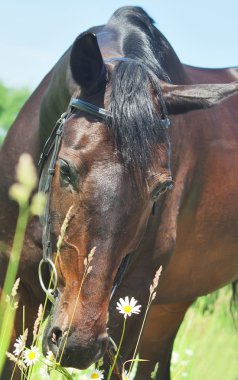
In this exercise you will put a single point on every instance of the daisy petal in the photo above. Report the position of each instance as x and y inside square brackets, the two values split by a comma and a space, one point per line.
[128, 307]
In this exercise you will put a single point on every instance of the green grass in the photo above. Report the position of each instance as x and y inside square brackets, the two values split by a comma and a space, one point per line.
[206, 347]
[212, 338]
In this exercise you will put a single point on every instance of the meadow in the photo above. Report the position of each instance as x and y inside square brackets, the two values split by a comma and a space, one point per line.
[206, 347]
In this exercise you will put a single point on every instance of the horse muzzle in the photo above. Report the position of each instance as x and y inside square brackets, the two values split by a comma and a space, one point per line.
[69, 351]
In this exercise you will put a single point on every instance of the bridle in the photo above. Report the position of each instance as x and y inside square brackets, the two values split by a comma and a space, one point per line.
[51, 148]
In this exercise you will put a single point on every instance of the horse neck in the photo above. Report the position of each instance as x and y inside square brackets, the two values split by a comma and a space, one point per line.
[23, 135]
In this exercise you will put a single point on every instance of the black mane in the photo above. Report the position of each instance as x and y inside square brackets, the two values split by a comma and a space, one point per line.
[139, 38]
[136, 103]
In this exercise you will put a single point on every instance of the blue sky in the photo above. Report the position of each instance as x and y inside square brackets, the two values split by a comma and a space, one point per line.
[34, 34]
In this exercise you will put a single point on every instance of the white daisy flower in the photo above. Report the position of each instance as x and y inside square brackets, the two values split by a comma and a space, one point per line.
[19, 345]
[97, 374]
[31, 355]
[50, 356]
[128, 307]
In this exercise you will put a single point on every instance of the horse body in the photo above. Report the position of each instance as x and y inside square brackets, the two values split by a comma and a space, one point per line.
[192, 231]
[205, 235]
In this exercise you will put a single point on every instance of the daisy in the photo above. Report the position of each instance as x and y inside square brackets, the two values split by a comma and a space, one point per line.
[128, 307]
[19, 345]
[96, 374]
[31, 355]
[50, 356]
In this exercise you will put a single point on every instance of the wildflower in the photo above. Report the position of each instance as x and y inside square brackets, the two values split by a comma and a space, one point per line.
[20, 343]
[128, 307]
[96, 374]
[19, 346]
[50, 356]
[31, 355]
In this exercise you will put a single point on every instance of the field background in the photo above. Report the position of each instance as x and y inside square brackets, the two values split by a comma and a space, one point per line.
[206, 347]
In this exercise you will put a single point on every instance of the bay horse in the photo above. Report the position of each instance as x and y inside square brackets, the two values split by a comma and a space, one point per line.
[115, 166]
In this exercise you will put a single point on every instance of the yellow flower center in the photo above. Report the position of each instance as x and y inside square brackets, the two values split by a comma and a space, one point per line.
[31, 355]
[127, 309]
[94, 376]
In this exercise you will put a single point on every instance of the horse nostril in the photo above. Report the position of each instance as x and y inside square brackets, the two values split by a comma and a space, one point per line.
[55, 336]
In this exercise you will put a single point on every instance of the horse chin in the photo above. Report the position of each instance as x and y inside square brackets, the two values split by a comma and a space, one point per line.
[75, 362]
[77, 356]
[78, 359]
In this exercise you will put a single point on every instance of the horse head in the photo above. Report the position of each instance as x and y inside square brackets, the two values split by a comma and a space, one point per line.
[112, 166]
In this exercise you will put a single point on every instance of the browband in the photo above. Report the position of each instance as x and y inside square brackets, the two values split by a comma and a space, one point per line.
[82, 105]
[102, 113]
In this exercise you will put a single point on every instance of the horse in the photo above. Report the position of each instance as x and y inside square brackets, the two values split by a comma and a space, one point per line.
[137, 192]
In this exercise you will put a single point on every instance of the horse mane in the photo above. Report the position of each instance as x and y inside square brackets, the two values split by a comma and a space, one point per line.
[136, 101]
[139, 38]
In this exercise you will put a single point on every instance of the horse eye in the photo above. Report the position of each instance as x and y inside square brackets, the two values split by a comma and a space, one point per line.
[65, 172]
[161, 189]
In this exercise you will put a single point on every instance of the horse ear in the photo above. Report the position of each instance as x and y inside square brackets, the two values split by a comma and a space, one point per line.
[184, 98]
[86, 62]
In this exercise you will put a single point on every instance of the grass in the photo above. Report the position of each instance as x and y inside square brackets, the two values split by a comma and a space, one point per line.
[206, 346]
